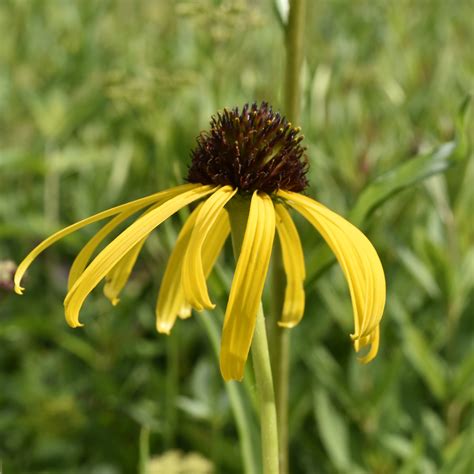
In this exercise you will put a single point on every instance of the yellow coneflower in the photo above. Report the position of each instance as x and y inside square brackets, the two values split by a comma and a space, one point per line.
[252, 156]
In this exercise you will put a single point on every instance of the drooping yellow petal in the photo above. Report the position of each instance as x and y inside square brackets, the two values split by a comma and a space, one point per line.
[111, 254]
[212, 248]
[293, 263]
[193, 278]
[83, 257]
[171, 296]
[360, 264]
[247, 287]
[171, 300]
[138, 204]
[117, 278]
[348, 244]
[214, 241]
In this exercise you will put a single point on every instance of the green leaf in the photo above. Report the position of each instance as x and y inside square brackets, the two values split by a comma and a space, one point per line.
[462, 385]
[419, 271]
[416, 348]
[328, 373]
[281, 8]
[400, 178]
[333, 430]
[81, 348]
[458, 455]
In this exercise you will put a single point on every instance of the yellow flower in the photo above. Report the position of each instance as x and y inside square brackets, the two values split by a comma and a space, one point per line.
[252, 157]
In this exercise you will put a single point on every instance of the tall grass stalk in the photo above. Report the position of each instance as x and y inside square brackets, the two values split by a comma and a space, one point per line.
[280, 337]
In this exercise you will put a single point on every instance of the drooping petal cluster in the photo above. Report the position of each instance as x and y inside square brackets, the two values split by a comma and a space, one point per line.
[117, 257]
[360, 264]
[193, 277]
[172, 302]
[261, 156]
[293, 263]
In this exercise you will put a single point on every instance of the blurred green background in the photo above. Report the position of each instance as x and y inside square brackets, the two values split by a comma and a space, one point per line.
[100, 103]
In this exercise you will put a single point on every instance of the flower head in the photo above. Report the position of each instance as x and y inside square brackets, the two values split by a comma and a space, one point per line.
[254, 159]
[254, 150]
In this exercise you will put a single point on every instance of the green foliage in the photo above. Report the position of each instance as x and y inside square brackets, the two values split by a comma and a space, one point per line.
[100, 103]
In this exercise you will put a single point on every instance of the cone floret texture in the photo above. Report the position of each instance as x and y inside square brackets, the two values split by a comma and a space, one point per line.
[254, 149]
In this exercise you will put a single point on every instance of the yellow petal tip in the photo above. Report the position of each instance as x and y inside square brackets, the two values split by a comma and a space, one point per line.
[231, 378]
[19, 290]
[164, 328]
[200, 308]
[185, 312]
[371, 340]
[232, 367]
[367, 358]
[73, 322]
[286, 325]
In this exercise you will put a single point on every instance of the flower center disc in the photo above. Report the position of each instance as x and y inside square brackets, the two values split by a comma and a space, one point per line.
[254, 150]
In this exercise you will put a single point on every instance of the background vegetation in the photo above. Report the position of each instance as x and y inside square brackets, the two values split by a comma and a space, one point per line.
[100, 103]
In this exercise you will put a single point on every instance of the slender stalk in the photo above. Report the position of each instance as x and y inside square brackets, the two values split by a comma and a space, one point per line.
[264, 380]
[144, 449]
[280, 352]
[238, 214]
[280, 337]
[294, 44]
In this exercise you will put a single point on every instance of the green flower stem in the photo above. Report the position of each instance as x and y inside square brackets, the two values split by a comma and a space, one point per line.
[280, 337]
[264, 380]
[238, 214]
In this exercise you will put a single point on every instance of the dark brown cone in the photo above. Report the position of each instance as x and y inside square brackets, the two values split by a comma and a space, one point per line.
[256, 149]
